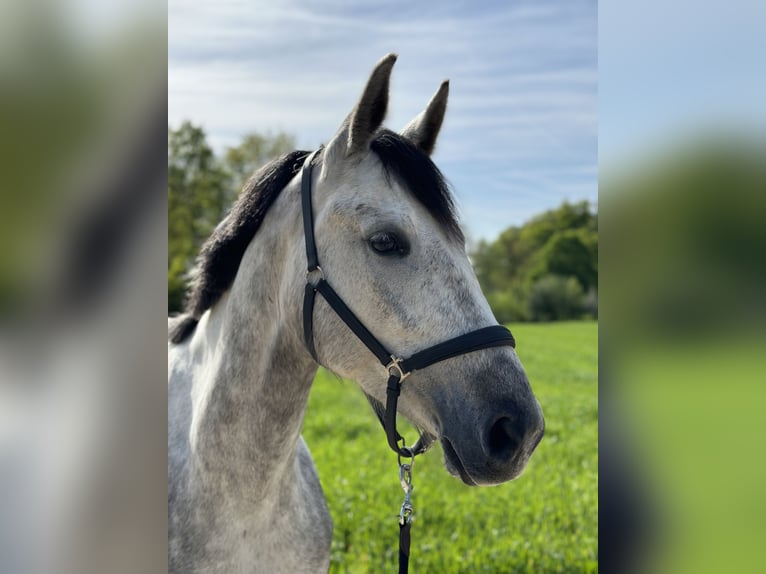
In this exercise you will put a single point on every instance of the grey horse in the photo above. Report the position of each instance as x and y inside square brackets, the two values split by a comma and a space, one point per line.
[243, 492]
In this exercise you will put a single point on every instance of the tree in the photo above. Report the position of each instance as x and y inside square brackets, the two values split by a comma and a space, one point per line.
[554, 298]
[255, 151]
[198, 193]
[526, 271]
[570, 252]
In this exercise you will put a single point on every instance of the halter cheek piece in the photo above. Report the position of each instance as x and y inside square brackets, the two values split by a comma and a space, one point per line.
[397, 369]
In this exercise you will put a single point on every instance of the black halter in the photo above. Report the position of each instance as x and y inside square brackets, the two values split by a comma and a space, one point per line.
[398, 369]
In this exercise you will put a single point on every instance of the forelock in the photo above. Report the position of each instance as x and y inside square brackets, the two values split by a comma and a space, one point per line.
[415, 171]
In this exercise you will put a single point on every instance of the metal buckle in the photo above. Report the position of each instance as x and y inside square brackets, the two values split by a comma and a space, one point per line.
[405, 478]
[311, 272]
[396, 363]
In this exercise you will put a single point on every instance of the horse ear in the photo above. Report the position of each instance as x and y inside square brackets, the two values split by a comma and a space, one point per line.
[424, 128]
[357, 130]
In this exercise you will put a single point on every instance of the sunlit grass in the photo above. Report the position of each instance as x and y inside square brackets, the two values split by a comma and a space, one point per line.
[694, 412]
[545, 521]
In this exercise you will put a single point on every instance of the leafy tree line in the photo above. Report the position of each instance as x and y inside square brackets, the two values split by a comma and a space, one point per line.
[544, 270]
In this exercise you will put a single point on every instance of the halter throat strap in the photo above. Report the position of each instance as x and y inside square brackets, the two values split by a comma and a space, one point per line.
[396, 368]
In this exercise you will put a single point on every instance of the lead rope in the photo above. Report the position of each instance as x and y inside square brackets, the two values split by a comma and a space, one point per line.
[388, 420]
[393, 388]
[396, 377]
[405, 514]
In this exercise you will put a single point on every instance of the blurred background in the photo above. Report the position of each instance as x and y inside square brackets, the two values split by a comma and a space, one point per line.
[83, 119]
[682, 198]
[85, 283]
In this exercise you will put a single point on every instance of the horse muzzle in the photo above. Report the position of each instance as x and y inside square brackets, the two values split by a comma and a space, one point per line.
[501, 450]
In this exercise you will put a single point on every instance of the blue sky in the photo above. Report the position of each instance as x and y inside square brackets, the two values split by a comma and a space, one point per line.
[521, 130]
[672, 72]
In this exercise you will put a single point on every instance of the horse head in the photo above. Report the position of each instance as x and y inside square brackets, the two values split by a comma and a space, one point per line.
[391, 246]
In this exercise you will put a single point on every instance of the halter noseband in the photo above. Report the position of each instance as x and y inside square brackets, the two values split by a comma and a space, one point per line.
[397, 369]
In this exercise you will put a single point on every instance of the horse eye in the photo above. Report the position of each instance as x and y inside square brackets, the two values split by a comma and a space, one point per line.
[388, 244]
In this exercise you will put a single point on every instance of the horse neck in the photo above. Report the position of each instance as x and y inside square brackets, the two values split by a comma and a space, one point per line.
[256, 374]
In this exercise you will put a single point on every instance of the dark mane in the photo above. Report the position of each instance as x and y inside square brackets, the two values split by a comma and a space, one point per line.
[221, 254]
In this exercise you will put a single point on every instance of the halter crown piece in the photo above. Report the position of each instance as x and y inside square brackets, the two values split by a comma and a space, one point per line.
[397, 369]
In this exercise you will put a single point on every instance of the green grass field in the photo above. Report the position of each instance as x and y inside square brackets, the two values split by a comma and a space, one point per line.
[545, 521]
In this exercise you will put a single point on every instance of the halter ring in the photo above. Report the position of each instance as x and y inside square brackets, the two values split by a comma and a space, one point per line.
[312, 271]
[396, 363]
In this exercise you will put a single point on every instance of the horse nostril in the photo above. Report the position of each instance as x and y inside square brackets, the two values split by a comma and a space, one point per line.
[504, 439]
